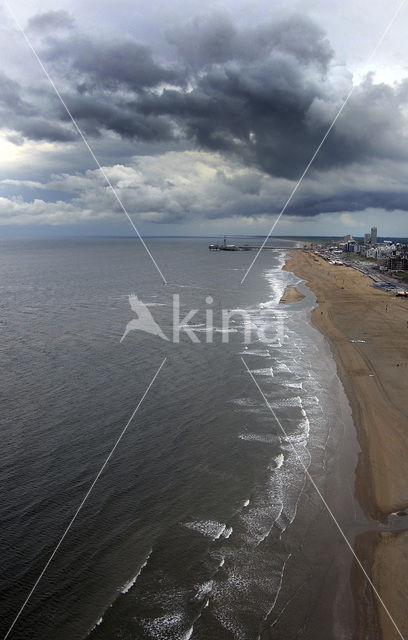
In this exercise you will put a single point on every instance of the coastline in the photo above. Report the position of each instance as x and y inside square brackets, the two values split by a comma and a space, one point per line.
[291, 294]
[373, 372]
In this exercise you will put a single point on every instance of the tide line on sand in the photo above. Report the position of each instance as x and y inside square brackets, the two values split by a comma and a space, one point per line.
[349, 306]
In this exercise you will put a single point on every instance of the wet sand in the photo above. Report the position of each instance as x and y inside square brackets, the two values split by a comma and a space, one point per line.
[291, 294]
[374, 374]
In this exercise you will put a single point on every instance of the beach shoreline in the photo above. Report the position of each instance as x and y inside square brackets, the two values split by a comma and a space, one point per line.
[367, 330]
[291, 294]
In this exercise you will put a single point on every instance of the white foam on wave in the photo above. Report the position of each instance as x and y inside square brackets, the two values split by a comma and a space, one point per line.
[202, 328]
[204, 589]
[221, 531]
[268, 613]
[227, 532]
[245, 402]
[281, 367]
[188, 633]
[267, 371]
[267, 305]
[293, 385]
[209, 528]
[312, 401]
[166, 627]
[128, 585]
[96, 625]
[250, 405]
[266, 438]
[246, 503]
[247, 591]
[292, 401]
[291, 479]
[267, 531]
[305, 425]
[262, 353]
[302, 436]
[260, 520]
[279, 460]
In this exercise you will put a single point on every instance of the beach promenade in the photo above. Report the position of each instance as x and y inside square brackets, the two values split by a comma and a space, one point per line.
[374, 372]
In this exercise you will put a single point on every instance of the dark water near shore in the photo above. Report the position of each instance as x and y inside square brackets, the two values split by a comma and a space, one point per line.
[203, 525]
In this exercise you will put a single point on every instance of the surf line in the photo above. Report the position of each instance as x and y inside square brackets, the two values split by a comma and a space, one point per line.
[330, 512]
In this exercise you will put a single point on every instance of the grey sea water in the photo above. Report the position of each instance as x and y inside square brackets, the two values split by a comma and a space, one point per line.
[203, 525]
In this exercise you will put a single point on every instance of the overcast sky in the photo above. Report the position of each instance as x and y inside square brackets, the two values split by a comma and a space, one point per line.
[203, 116]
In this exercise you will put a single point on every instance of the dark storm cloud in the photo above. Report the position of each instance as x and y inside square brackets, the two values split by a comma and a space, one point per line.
[264, 95]
[351, 201]
[260, 96]
[215, 39]
[96, 113]
[248, 89]
[51, 20]
[109, 64]
[10, 98]
[256, 113]
[19, 115]
[39, 129]
[93, 76]
[268, 95]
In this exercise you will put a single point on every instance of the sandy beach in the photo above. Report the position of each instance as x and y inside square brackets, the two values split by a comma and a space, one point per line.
[368, 333]
[291, 294]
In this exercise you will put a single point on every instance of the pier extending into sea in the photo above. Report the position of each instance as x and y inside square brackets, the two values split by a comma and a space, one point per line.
[246, 247]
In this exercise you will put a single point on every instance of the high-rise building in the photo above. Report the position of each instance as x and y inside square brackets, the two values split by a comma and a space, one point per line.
[347, 238]
[367, 238]
[373, 235]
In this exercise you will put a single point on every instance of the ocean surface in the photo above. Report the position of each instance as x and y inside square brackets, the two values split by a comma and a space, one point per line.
[203, 524]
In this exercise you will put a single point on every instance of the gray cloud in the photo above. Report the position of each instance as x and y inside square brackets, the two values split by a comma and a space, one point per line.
[109, 64]
[258, 99]
[40, 129]
[215, 39]
[50, 21]
[25, 118]
[267, 96]
[193, 186]
[10, 98]
[96, 113]
[263, 94]
[351, 200]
